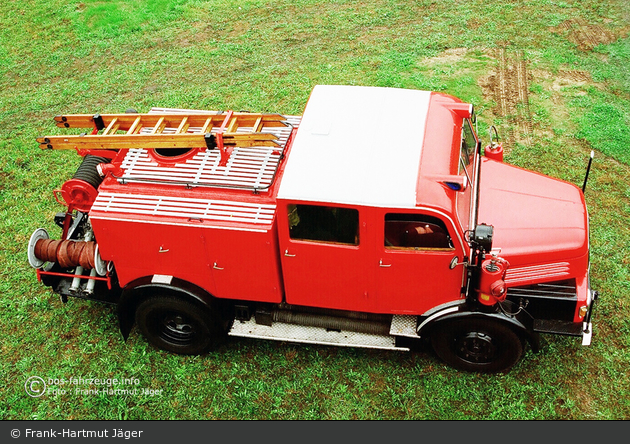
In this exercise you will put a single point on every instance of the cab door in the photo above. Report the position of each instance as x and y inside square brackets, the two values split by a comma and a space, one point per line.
[323, 259]
[417, 264]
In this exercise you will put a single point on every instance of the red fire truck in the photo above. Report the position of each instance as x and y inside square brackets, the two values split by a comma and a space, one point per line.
[372, 220]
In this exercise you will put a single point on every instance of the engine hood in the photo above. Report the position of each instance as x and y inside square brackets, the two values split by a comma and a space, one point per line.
[536, 219]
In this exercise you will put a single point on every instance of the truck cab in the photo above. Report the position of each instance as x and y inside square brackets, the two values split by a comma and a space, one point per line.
[372, 220]
[359, 228]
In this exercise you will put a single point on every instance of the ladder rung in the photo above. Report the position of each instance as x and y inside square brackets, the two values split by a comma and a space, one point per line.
[183, 126]
[206, 126]
[134, 126]
[258, 125]
[159, 126]
[232, 126]
[110, 127]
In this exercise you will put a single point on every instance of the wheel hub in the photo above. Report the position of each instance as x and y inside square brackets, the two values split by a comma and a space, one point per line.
[177, 329]
[476, 347]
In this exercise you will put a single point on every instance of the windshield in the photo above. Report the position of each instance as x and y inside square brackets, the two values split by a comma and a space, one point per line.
[467, 152]
[468, 147]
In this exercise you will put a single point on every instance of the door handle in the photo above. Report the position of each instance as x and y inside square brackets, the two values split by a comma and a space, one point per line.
[381, 264]
[286, 253]
[216, 267]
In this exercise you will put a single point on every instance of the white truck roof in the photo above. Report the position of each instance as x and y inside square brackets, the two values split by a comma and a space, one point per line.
[358, 145]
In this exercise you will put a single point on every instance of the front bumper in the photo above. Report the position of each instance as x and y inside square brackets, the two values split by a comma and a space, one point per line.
[582, 329]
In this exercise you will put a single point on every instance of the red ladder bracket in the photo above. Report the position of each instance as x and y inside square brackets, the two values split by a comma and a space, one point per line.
[225, 152]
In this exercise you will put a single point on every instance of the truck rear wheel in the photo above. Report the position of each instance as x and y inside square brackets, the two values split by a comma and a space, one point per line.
[177, 325]
[477, 345]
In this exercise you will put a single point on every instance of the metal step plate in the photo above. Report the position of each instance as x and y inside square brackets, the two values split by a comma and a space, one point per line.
[404, 325]
[312, 335]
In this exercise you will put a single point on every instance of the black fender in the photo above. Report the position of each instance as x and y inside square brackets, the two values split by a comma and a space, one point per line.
[138, 290]
[521, 323]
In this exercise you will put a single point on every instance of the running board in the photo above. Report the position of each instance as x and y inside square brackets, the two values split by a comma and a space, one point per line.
[313, 335]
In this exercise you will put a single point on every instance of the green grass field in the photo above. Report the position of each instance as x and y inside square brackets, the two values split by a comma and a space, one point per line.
[552, 75]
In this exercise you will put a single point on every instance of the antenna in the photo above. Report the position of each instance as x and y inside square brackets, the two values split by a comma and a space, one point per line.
[588, 170]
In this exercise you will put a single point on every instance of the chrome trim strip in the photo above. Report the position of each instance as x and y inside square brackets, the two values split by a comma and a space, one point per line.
[189, 225]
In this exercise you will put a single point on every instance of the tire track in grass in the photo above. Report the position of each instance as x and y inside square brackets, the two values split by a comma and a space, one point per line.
[584, 35]
[509, 87]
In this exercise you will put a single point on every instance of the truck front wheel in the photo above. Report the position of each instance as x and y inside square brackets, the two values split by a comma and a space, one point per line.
[177, 325]
[477, 345]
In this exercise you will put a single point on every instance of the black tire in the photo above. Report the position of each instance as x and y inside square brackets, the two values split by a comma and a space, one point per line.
[477, 345]
[177, 325]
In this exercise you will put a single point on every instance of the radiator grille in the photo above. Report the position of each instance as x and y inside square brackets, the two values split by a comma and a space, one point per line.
[557, 289]
[523, 275]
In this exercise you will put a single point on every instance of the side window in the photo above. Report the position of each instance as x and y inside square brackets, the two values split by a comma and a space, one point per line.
[415, 231]
[324, 223]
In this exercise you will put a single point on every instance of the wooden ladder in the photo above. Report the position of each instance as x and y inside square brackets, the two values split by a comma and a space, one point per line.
[166, 130]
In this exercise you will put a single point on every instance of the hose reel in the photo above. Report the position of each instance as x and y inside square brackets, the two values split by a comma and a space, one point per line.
[80, 192]
[67, 253]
